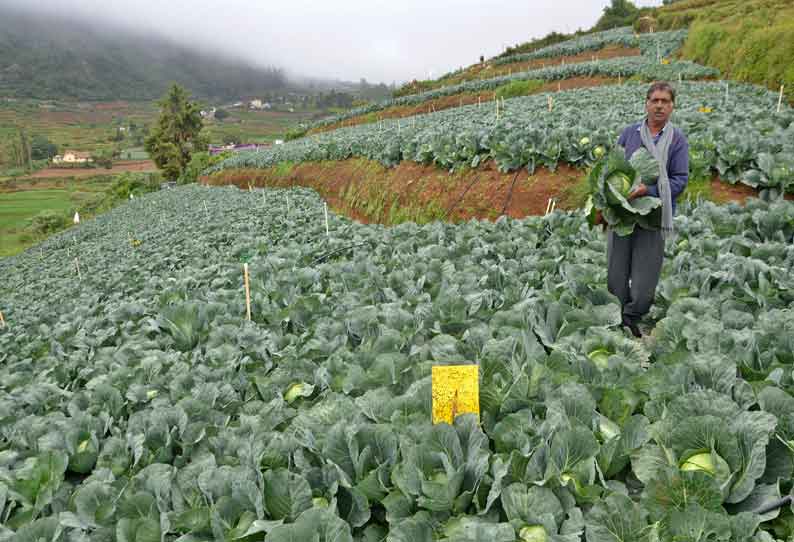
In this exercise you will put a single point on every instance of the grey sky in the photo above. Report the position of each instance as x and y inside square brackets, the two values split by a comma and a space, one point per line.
[381, 40]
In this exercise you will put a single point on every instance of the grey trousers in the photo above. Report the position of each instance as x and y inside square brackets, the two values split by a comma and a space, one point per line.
[633, 269]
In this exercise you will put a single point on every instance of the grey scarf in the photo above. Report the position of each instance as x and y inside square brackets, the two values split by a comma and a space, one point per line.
[661, 152]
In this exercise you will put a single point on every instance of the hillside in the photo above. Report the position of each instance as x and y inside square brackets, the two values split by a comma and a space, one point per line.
[50, 58]
[748, 40]
[258, 363]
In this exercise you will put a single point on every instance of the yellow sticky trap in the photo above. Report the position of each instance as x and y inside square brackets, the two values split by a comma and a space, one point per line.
[456, 390]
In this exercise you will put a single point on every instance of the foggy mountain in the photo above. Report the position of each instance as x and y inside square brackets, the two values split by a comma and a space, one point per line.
[49, 57]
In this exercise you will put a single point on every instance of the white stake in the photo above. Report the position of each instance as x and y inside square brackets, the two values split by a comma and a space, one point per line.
[548, 206]
[77, 266]
[551, 103]
[287, 204]
[2, 320]
[780, 99]
[264, 198]
[205, 208]
[247, 292]
[76, 218]
[727, 88]
[325, 210]
[479, 102]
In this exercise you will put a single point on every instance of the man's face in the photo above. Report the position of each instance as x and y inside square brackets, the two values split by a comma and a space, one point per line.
[659, 107]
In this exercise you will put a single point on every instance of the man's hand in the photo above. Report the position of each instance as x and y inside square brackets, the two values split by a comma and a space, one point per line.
[599, 220]
[638, 192]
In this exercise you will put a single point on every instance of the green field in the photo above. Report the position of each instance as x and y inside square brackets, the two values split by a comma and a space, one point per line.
[94, 127]
[63, 196]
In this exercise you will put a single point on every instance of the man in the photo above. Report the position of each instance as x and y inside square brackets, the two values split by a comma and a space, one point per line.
[635, 261]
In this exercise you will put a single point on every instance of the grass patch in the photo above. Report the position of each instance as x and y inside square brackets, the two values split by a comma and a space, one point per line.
[575, 196]
[30, 214]
[697, 189]
[747, 40]
[515, 89]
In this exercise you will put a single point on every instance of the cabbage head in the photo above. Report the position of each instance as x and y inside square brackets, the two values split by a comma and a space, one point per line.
[645, 165]
[611, 181]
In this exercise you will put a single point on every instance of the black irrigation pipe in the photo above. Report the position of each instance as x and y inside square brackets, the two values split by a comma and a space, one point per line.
[774, 505]
[329, 254]
[510, 193]
[463, 195]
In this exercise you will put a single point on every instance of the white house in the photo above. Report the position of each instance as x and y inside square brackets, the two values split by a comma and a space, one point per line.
[256, 104]
[73, 157]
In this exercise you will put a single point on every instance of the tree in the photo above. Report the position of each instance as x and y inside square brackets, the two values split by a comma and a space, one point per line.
[42, 148]
[618, 13]
[177, 134]
[221, 114]
[231, 139]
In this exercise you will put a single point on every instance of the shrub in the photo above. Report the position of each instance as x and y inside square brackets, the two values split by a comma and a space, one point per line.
[48, 222]
[296, 133]
[200, 161]
[136, 184]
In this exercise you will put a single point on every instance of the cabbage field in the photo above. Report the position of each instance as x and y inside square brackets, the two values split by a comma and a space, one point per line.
[733, 130]
[651, 45]
[646, 67]
[137, 403]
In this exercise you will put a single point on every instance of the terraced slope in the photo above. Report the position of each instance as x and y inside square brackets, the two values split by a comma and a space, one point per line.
[737, 133]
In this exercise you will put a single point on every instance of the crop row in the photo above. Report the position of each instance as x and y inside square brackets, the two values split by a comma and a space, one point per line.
[734, 130]
[652, 45]
[624, 67]
[138, 403]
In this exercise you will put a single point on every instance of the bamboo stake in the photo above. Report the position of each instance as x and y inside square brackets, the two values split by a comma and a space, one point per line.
[548, 206]
[2, 320]
[479, 102]
[620, 79]
[780, 99]
[550, 100]
[553, 204]
[325, 209]
[77, 266]
[205, 208]
[559, 86]
[247, 292]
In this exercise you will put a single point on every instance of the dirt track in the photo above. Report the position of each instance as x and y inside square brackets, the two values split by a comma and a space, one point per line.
[121, 167]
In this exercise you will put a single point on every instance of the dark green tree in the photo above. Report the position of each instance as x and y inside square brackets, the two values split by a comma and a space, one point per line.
[221, 114]
[177, 134]
[42, 148]
[618, 13]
